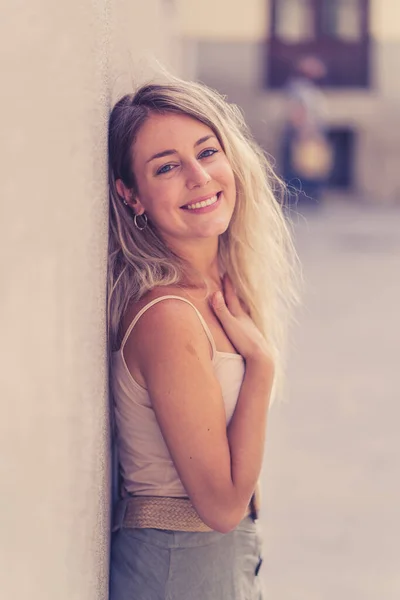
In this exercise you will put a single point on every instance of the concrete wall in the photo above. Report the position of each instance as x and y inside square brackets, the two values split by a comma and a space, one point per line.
[61, 64]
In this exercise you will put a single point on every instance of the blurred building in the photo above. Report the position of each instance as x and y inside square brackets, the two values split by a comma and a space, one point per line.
[247, 49]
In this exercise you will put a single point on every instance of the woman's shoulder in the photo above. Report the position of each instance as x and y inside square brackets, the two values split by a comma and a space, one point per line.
[149, 334]
[149, 298]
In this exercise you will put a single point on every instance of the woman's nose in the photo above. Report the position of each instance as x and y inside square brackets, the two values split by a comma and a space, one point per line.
[196, 176]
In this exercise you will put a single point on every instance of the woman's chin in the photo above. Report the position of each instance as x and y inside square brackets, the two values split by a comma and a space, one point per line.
[215, 227]
[213, 232]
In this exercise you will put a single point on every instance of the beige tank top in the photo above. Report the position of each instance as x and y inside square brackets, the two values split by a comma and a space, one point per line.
[145, 463]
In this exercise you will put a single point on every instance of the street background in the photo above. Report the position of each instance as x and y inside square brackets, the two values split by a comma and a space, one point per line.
[331, 482]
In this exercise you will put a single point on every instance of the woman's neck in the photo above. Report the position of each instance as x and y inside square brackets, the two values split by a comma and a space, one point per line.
[203, 267]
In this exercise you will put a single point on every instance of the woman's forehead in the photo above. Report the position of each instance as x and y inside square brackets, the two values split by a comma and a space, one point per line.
[163, 131]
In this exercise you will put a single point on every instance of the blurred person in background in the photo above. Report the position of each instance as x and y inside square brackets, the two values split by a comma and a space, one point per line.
[201, 265]
[306, 152]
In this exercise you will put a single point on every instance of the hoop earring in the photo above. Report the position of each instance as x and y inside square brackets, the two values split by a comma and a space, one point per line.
[135, 220]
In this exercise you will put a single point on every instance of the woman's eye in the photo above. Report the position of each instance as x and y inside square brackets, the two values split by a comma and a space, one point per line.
[208, 152]
[164, 169]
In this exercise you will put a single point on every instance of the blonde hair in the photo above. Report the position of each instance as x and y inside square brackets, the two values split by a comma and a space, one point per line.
[256, 250]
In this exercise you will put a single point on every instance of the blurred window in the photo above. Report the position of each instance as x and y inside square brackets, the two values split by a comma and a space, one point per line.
[336, 31]
[294, 20]
[341, 19]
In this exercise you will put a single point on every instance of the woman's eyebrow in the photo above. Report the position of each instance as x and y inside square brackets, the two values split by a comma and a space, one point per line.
[161, 154]
[204, 139]
[172, 151]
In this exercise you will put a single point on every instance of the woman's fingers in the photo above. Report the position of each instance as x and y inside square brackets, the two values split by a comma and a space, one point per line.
[220, 308]
[245, 308]
[239, 327]
[231, 298]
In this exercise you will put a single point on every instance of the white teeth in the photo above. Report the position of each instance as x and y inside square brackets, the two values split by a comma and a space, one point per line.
[203, 203]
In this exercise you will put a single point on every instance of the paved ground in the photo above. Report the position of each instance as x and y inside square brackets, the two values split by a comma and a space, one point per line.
[331, 482]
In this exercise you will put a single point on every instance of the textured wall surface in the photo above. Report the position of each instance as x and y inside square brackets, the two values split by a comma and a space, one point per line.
[62, 63]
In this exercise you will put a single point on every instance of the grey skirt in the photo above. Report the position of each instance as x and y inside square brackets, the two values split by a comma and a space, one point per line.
[154, 564]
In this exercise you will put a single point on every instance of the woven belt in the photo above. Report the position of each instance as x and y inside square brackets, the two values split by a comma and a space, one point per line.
[160, 512]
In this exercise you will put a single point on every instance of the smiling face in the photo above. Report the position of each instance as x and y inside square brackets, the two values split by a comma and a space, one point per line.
[184, 181]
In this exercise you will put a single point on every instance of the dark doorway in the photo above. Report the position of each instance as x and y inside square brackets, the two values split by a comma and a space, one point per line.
[343, 143]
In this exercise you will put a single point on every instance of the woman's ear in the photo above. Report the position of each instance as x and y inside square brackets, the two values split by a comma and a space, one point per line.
[124, 192]
[129, 197]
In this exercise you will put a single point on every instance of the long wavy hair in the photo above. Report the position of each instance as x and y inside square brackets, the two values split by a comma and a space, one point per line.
[256, 250]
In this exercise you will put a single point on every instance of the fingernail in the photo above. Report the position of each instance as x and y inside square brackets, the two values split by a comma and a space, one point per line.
[218, 298]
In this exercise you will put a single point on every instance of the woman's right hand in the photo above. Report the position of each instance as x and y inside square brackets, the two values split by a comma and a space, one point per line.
[238, 325]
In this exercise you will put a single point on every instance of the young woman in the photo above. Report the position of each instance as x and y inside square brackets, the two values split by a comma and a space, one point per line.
[201, 272]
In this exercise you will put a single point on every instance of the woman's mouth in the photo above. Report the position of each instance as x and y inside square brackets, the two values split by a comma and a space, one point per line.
[204, 205]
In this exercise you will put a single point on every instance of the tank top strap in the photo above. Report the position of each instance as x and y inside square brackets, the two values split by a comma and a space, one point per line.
[160, 299]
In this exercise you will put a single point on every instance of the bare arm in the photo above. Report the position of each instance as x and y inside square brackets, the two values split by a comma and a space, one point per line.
[218, 469]
[247, 428]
